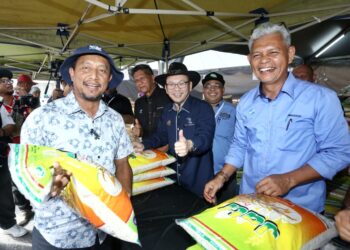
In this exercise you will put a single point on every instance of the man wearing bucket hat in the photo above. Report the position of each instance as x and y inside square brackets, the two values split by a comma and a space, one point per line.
[187, 126]
[83, 124]
[225, 118]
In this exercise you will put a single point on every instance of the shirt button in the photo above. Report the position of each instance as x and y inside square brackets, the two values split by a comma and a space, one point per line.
[98, 157]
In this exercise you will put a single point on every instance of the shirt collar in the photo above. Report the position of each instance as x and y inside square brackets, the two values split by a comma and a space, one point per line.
[155, 92]
[71, 106]
[185, 106]
[218, 105]
[288, 87]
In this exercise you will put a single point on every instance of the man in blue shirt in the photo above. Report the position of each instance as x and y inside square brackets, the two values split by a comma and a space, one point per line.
[225, 118]
[290, 135]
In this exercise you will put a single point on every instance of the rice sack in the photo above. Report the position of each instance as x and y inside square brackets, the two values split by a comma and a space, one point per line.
[92, 191]
[29, 172]
[149, 185]
[259, 222]
[161, 171]
[149, 159]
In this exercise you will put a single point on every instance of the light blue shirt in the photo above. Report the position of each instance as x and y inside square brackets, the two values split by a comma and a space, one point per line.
[225, 118]
[303, 125]
[62, 124]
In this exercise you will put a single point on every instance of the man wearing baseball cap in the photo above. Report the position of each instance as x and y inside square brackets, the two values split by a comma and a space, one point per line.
[225, 118]
[25, 82]
[83, 124]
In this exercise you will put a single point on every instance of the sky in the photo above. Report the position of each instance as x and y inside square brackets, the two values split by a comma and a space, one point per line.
[213, 59]
[208, 60]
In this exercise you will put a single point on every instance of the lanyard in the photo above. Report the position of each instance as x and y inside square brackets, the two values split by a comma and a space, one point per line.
[219, 109]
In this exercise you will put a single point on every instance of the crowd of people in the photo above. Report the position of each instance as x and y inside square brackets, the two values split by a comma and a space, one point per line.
[288, 134]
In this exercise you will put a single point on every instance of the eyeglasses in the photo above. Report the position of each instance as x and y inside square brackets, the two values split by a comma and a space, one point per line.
[4, 81]
[212, 86]
[172, 85]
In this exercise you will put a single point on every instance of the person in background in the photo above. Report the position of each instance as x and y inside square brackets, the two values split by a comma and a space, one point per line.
[20, 91]
[83, 124]
[304, 72]
[11, 104]
[119, 103]
[7, 206]
[25, 82]
[225, 118]
[57, 93]
[290, 134]
[67, 88]
[150, 106]
[35, 91]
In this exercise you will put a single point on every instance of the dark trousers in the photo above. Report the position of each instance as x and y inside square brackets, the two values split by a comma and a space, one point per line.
[156, 212]
[19, 199]
[39, 243]
[7, 206]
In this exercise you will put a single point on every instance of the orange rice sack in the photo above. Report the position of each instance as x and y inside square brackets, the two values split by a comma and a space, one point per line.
[258, 222]
[92, 192]
[161, 171]
[149, 185]
[149, 159]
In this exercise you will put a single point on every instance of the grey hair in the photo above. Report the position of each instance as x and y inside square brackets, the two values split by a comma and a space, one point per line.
[267, 29]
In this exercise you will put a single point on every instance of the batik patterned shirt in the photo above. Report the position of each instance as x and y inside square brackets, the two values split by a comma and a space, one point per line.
[63, 125]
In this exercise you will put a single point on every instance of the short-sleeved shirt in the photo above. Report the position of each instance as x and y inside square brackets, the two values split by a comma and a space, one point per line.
[62, 124]
[6, 118]
[225, 118]
[148, 110]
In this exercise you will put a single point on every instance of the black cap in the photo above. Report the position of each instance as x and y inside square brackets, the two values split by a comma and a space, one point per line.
[213, 76]
[6, 73]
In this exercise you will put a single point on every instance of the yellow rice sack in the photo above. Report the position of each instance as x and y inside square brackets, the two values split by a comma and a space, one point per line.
[258, 222]
[149, 185]
[161, 171]
[92, 191]
[149, 159]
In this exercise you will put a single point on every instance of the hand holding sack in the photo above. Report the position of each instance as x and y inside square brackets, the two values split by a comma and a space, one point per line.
[92, 192]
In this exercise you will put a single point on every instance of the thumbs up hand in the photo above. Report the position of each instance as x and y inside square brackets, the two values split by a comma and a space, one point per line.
[182, 146]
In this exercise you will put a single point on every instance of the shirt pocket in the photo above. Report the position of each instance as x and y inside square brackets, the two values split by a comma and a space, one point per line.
[225, 129]
[294, 133]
